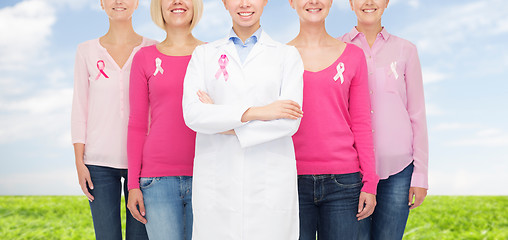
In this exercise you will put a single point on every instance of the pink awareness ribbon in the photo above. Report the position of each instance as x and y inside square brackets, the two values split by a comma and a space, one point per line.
[340, 72]
[101, 65]
[223, 62]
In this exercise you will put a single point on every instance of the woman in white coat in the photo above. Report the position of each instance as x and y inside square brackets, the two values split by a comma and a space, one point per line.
[242, 95]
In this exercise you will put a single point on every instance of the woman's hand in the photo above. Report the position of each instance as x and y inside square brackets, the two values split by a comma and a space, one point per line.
[366, 205]
[84, 179]
[204, 98]
[135, 200]
[83, 172]
[418, 194]
[287, 109]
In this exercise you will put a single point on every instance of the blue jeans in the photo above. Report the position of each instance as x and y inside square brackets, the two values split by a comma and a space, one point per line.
[168, 207]
[328, 206]
[390, 216]
[105, 207]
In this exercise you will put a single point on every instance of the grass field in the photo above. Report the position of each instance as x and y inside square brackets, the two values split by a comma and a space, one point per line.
[441, 217]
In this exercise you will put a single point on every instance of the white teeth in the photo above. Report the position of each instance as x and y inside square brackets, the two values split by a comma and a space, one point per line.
[119, 9]
[314, 10]
[178, 11]
[369, 10]
[245, 14]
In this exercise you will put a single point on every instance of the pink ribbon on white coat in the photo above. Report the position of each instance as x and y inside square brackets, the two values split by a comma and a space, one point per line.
[101, 65]
[158, 67]
[223, 62]
[340, 72]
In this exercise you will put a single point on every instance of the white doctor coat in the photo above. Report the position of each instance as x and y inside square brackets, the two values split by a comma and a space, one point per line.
[244, 186]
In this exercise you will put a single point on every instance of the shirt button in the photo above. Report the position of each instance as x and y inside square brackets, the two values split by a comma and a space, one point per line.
[373, 130]
[371, 92]
[370, 57]
[371, 111]
[370, 73]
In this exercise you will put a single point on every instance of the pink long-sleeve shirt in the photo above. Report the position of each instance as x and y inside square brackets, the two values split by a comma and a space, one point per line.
[398, 105]
[335, 135]
[156, 88]
[100, 106]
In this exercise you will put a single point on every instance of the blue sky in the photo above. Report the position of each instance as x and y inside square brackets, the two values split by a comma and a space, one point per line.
[462, 47]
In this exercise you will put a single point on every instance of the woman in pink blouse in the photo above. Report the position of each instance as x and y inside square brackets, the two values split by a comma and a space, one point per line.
[161, 156]
[398, 120]
[100, 112]
[334, 152]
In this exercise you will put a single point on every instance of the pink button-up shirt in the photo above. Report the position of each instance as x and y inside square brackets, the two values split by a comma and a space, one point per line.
[100, 107]
[398, 106]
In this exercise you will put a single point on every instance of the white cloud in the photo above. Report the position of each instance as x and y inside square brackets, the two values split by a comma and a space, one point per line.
[43, 114]
[25, 29]
[433, 110]
[469, 180]
[52, 182]
[432, 76]
[215, 21]
[441, 31]
[482, 140]
[455, 126]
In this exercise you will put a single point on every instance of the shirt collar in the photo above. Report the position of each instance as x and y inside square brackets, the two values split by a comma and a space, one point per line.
[384, 34]
[254, 38]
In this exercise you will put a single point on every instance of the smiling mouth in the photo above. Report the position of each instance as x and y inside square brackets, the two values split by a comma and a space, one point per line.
[119, 9]
[313, 10]
[369, 10]
[245, 14]
[178, 10]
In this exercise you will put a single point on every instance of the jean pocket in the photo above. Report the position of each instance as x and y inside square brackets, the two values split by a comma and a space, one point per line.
[349, 180]
[146, 182]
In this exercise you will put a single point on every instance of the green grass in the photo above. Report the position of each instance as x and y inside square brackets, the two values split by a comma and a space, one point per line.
[440, 217]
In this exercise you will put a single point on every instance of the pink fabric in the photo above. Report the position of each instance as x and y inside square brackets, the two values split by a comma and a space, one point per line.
[168, 148]
[335, 135]
[399, 121]
[101, 103]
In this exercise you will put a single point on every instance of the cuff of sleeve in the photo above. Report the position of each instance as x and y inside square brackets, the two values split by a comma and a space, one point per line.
[370, 186]
[133, 185]
[419, 180]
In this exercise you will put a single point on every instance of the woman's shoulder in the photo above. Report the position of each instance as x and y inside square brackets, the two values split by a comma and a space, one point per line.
[149, 42]
[86, 46]
[402, 42]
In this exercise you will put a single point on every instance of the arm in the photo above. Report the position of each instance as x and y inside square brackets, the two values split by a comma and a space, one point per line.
[257, 132]
[136, 135]
[416, 110]
[79, 117]
[359, 110]
[201, 117]
[138, 118]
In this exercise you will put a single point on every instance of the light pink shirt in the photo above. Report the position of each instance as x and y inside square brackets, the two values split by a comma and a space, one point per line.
[168, 148]
[100, 106]
[335, 135]
[398, 105]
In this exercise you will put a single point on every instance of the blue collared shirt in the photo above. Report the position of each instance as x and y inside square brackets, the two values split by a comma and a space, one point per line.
[244, 49]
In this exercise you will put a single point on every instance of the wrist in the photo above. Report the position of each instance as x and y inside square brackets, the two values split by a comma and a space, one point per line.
[249, 115]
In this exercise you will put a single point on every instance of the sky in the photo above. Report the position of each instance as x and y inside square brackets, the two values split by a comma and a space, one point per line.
[462, 47]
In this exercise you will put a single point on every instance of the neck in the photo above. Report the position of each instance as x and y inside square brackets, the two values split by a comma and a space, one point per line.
[370, 31]
[312, 34]
[245, 32]
[120, 31]
[178, 37]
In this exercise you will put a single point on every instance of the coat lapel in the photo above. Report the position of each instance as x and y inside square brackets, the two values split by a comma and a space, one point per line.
[261, 46]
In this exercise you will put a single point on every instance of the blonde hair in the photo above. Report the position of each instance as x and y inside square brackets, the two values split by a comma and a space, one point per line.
[158, 18]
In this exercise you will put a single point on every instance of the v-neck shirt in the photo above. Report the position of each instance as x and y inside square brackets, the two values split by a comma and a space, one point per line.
[100, 107]
[335, 135]
[163, 146]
